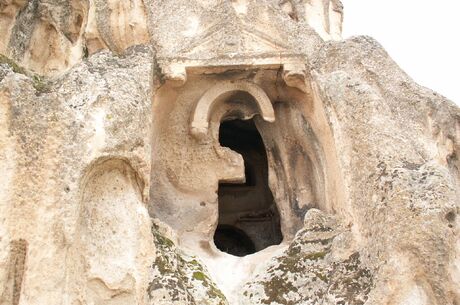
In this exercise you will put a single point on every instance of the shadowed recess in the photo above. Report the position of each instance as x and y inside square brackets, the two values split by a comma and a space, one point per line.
[233, 241]
[249, 220]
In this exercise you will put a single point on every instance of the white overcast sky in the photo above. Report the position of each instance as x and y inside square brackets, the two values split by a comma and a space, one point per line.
[422, 36]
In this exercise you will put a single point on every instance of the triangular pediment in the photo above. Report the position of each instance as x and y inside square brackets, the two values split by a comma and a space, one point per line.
[232, 36]
[253, 38]
[221, 43]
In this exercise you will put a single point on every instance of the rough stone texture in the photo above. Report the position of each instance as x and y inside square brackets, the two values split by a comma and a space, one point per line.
[78, 28]
[71, 29]
[74, 162]
[398, 143]
[178, 278]
[110, 169]
[320, 266]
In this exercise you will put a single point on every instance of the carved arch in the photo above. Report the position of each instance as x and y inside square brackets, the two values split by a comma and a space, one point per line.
[202, 112]
[110, 199]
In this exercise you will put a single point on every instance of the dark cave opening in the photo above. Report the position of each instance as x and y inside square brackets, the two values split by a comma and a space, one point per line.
[249, 220]
[233, 241]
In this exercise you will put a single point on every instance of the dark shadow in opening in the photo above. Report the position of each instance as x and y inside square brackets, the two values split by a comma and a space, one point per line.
[233, 241]
[248, 207]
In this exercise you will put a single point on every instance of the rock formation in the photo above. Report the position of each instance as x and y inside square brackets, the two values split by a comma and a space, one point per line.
[220, 152]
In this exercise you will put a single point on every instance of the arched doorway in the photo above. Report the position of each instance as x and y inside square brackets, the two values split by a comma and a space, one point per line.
[247, 210]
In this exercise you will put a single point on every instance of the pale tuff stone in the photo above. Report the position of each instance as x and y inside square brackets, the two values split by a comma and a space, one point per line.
[218, 152]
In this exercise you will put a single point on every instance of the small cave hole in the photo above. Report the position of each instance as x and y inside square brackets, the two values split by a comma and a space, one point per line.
[450, 217]
[249, 220]
[233, 241]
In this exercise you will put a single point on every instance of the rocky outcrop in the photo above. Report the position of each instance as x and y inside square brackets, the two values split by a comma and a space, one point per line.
[49, 37]
[178, 278]
[74, 157]
[75, 29]
[396, 140]
[320, 266]
[125, 178]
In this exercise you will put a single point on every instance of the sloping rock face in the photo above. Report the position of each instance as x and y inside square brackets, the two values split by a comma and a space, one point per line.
[113, 159]
[408, 175]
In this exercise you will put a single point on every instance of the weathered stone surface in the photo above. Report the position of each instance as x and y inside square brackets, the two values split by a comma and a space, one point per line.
[115, 170]
[320, 266]
[178, 278]
[74, 163]
[397, 142]
[71, 29]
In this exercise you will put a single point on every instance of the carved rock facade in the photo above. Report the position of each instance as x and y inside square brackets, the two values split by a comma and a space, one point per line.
[218, 152]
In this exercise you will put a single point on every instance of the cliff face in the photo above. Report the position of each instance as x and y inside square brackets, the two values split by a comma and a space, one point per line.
[218, 152]
[50, 37]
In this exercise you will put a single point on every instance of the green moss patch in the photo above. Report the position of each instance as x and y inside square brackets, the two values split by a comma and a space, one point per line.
[40, 83]
[14, 66]
[180, 275]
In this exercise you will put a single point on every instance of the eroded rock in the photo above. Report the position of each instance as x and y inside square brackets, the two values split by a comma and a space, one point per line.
[310, 271]
[72, 30]
[249, 156]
